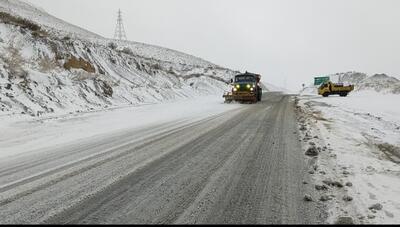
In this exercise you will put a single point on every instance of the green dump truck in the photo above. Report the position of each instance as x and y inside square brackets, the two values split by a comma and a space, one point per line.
[245, 88]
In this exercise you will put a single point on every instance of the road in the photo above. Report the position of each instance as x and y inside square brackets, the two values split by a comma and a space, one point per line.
[243, 166]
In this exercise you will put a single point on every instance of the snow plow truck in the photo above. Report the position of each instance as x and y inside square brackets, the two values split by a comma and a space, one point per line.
[329, 88]
[246, 88]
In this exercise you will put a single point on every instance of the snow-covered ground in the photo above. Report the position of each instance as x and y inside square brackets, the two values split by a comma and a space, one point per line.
[359, 141]
[22, 135]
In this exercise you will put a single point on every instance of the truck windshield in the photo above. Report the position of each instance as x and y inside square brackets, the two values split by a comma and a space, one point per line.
[239, 79]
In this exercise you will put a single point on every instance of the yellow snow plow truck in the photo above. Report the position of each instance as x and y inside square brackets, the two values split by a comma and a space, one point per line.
[328, 88]
[245, 88]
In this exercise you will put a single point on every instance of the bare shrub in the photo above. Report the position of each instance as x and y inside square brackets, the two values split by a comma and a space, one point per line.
[105, 87]
[112, 45]
[47, 64]
[75, 63]
[13, 63]
[127, 50]
[156, 66]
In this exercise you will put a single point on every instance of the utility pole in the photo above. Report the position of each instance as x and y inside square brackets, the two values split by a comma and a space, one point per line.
[120, 30]
[285, 82]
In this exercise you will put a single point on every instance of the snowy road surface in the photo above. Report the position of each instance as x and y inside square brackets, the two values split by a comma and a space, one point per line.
[241, 164]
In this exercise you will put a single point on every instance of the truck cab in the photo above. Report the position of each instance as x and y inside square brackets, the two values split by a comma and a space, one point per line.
[328, 88]
[245, 87]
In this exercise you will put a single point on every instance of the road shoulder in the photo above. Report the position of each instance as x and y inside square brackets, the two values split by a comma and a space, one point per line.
[354, 176]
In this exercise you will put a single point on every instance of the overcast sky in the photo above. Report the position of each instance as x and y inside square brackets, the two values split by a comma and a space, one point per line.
[287, 41]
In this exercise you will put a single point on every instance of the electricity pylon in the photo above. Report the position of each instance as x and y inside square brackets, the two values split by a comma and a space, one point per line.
[120, 33]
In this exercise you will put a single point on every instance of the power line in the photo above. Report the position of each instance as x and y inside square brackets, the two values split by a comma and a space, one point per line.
[120, 33]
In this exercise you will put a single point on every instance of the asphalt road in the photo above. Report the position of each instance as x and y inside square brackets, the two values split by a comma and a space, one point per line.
[245, 166]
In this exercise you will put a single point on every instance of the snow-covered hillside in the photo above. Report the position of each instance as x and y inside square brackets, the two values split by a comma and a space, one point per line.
[30, 12]
[50, 66]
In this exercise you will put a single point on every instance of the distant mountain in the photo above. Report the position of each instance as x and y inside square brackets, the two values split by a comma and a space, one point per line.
[351, 77]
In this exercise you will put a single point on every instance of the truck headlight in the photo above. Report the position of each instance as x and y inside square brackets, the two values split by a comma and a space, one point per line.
[248, 86]
[234, 89]
[237, 86]
[251, 89]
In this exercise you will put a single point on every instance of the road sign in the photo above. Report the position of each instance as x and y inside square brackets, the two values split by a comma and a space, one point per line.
[321, 80]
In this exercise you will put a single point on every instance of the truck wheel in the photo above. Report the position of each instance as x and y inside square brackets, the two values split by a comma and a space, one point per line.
[325, 94]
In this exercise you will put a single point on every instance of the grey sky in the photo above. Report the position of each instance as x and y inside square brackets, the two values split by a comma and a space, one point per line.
[285, 40]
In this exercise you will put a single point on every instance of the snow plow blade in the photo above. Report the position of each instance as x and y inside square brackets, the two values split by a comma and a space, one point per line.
[240, 97]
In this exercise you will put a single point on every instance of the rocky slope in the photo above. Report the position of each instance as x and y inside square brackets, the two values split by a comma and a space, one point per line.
[48, 66]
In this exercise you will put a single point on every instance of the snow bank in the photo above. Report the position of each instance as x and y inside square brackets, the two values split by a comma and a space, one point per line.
[383, 106]
[360, 135]
[25, 135]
